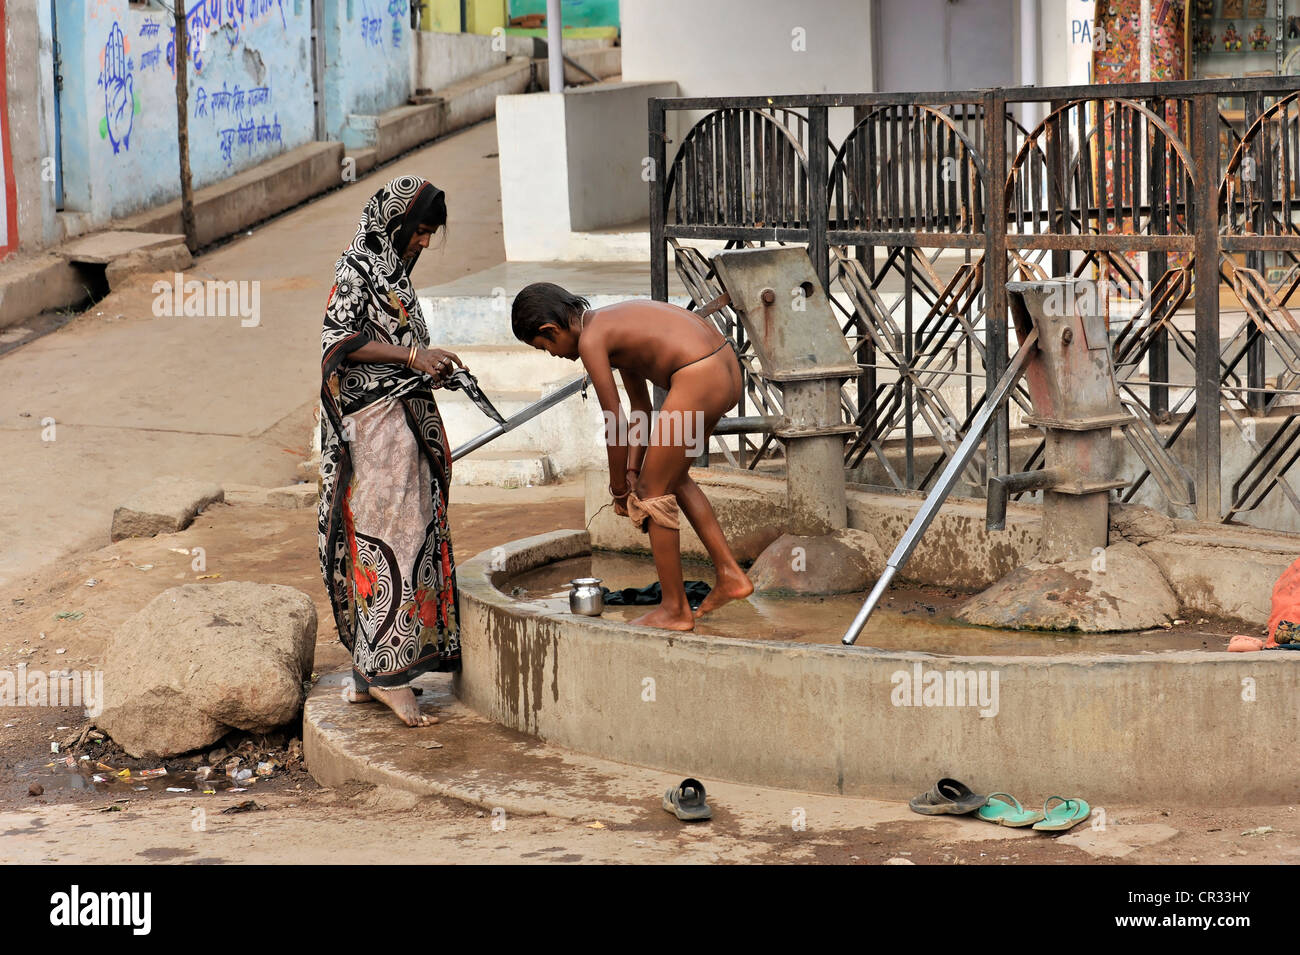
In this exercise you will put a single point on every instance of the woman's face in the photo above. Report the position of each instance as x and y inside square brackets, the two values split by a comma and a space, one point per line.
[418, 241]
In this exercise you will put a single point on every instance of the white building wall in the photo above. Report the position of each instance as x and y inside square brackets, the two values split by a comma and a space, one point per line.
[751, 47]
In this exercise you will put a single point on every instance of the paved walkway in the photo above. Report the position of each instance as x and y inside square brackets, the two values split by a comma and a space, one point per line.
[133, 396]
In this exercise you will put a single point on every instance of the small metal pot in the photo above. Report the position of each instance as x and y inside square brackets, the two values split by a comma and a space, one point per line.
[586, 597]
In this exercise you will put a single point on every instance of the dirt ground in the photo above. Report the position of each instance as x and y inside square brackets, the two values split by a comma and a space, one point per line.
[297, 821]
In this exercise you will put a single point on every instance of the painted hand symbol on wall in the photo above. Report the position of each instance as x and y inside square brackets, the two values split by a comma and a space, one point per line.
[119, 91]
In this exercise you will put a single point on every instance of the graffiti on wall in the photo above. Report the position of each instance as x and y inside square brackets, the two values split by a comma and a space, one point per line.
[399, 11]
[151, 58]
[372, 27]
[117, 79]
[231, 17]
[236, 107]
[235, 124]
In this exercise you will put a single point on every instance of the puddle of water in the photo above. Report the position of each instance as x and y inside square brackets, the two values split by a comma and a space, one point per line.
[908, 618]
[70, 773]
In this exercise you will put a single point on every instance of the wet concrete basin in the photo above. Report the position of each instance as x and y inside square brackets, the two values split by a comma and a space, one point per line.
[763, 693]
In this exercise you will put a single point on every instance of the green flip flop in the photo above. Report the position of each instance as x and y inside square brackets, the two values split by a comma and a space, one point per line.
[1005, 810]
[1066, 814]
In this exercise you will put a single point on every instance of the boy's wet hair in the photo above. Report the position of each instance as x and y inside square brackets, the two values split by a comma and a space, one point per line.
[544, 303]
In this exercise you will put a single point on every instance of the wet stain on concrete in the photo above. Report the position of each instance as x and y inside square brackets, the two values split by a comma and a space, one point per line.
[163, 854]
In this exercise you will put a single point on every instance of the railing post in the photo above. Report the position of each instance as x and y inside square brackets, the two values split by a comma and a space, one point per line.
[819, 206]
[1158, 264]
[995, 274]
[1205, 159]
[866, 350]
[1258, 191]
[658, 155]
[1058, 188]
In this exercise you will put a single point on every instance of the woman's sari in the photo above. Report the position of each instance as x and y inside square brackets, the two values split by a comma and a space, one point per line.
[385, 549]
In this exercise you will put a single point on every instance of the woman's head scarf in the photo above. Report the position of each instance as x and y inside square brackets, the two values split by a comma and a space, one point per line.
[388, 222]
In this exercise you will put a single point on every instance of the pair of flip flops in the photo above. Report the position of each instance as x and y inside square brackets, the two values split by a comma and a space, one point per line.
[1057, 814]
[686, 801]
[949, 797]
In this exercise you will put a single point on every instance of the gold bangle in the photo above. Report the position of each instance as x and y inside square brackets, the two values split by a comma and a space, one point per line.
[410, 359]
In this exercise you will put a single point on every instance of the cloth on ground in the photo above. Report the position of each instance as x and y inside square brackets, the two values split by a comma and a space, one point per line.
[696, 591]
[1284, 622]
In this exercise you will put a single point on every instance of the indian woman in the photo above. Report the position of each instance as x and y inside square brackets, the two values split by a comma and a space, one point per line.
[385, 547]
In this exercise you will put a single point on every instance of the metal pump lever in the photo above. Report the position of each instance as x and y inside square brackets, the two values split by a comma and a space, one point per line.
[956, 464]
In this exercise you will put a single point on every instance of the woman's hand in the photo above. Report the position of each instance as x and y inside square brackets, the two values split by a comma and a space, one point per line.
[437, 363]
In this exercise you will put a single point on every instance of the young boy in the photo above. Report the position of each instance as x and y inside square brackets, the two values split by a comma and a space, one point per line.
[691, 360]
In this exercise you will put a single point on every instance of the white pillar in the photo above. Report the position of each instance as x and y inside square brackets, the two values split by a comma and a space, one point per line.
[554, 46]
[1144, 42]
[1030, 113]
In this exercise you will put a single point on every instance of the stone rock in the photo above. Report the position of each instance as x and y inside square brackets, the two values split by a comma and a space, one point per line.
[844, 562]
[166, 506]
[246, 494]
[1226, 581]
[171, 258]
[1125, 591]
[199, 660]
[1138, 524]
[294, 495]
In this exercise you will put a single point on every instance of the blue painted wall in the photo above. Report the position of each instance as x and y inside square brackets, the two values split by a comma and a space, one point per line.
[250, 89]
[368, 49]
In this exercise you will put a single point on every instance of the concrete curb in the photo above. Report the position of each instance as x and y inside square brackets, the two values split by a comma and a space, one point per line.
[486, 765]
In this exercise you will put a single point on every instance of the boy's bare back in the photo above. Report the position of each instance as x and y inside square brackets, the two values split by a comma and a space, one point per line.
[648, 339]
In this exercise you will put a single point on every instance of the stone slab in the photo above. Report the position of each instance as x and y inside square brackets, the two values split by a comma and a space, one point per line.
[293, 495]
[103, 247]
[166, 506]
[1118, 589]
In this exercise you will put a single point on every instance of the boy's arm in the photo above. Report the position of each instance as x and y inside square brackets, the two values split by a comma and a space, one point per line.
[592, 349]
[638, 397]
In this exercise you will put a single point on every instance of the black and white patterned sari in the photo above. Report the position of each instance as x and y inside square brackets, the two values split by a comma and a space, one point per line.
[385, 548]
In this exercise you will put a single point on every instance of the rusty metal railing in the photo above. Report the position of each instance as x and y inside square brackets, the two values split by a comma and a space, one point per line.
[925, 205]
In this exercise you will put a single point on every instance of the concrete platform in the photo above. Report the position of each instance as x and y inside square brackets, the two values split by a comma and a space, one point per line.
[104, 247]
[487, 765]
[41, 282]
[251, 196]
[1180, 728]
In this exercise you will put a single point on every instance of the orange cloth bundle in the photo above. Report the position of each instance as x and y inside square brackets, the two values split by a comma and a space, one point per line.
[662, 510]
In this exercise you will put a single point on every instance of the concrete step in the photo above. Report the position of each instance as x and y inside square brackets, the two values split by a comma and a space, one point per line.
[485, 319]
[250, 196]
[463, 419]
[504, 469]
[511, 367]
[570, 435]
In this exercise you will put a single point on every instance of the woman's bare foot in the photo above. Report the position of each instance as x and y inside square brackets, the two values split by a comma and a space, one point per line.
[731, 585]
[404, 704]
[354, 695]
[666, 619]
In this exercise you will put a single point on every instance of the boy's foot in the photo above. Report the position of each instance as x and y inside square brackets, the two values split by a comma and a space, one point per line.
[730, 586]
[666, 620]
[404, 704]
